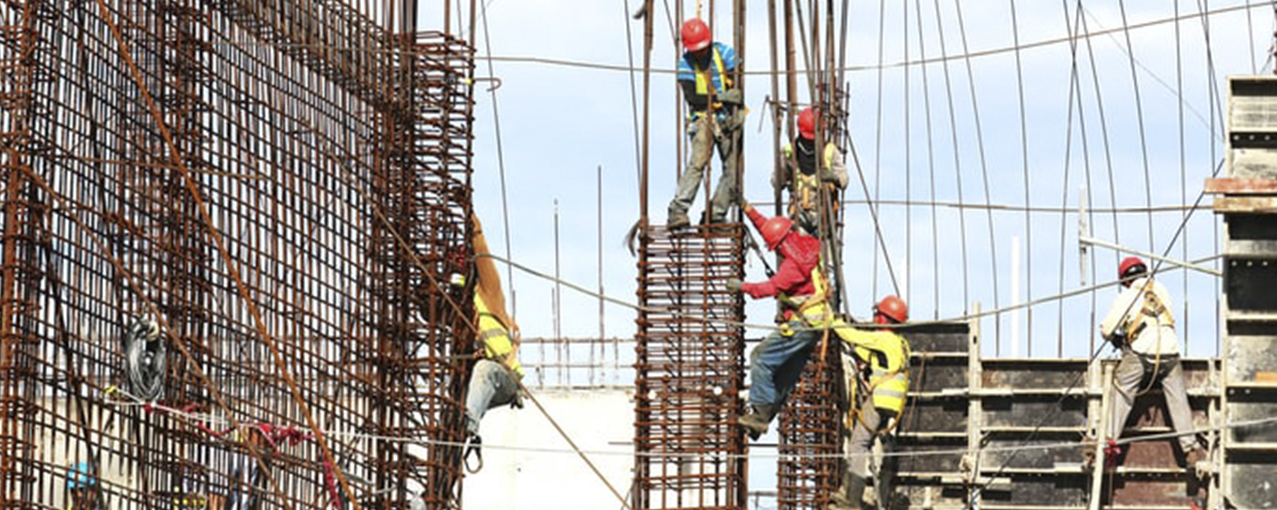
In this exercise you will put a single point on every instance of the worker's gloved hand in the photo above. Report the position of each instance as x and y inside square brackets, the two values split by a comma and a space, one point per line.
[732, 97]
[1118, 339]
[787, 151]
[734, 284]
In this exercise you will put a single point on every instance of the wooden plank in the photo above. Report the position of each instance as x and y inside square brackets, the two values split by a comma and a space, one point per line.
[1236, 186]
[1246, 205]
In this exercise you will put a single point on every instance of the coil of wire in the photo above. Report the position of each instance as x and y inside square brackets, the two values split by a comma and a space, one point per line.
[144, 358]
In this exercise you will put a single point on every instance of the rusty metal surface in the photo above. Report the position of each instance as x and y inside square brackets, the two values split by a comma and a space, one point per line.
[690, 371]
[288, 235]
[1241, 186]
[809, 424]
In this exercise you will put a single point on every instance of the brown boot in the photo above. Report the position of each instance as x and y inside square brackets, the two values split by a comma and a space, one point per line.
[755, 423]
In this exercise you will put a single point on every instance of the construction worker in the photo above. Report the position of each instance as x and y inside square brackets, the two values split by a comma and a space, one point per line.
[798, 173]
[877, 390]
[798, 284]
[82, 488]
[1141, 324]
[715, 113]
[495, 378]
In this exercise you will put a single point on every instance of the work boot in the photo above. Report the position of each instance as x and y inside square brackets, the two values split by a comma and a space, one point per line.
[850, 495]
[677, 221]
[755, 423]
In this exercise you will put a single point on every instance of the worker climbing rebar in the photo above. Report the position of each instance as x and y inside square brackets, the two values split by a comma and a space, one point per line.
[494, 381]
[799, 173]
[876, 390]
[798, 284]
[1140, 323]
[716, 114]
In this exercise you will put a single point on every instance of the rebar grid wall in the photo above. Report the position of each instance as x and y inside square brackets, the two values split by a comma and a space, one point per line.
[690, 371]
[286, 191]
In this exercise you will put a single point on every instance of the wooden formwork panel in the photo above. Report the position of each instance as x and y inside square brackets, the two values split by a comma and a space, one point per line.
[1037, 491]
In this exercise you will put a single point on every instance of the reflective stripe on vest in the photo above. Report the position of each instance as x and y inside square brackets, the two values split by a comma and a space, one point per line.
[703, 78]
[888, 379]
[889, 389]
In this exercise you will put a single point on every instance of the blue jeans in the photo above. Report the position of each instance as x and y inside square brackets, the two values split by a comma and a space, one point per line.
[777, 363]
[490, 385]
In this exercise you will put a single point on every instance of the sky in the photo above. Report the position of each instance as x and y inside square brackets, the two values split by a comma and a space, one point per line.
[1002, 128]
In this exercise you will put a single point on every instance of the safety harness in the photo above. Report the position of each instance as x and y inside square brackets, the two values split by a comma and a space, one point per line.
[703, 78]
[811, 310]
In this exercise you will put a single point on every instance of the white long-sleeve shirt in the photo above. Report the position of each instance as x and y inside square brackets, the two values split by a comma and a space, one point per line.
[1158, 334]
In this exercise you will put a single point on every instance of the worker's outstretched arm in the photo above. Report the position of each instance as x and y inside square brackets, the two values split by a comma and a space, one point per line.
[789, 277]
[754, 216]
[876, 340]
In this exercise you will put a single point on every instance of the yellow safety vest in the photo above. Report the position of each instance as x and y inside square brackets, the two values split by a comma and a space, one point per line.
[496, 339]
[887, 354]
[813, 311]
[806, 187]
[703, 78]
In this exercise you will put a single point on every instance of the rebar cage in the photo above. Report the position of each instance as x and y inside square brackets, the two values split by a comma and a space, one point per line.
[288, 201]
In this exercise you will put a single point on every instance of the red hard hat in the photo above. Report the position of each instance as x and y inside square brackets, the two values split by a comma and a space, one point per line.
[892, 308]
[695, 34]
[807, 123]
[1128, 264]
[775, 229]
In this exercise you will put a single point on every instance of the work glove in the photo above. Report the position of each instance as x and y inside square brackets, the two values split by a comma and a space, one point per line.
[734, 284]
[1118, 339]
[733, 97]
[787, 151]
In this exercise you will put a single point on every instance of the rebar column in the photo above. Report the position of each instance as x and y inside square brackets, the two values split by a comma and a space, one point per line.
[689, 453]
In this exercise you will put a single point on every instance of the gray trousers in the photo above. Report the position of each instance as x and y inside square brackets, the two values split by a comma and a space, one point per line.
[860, 446]
[490, 385]
[726, 135]
[1128, 380]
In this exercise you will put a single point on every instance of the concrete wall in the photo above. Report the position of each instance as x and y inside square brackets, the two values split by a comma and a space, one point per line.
[595, 419]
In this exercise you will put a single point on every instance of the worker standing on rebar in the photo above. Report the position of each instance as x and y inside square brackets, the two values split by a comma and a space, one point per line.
[1140, 322]
[495, 378]
[798, 284]
[876, 388]
[715, 114]
[799, 173]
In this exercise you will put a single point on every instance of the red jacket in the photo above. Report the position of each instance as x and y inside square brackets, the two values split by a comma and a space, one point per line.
[802, 254]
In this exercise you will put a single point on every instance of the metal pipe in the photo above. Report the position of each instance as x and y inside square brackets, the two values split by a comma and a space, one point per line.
[1174, 262]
